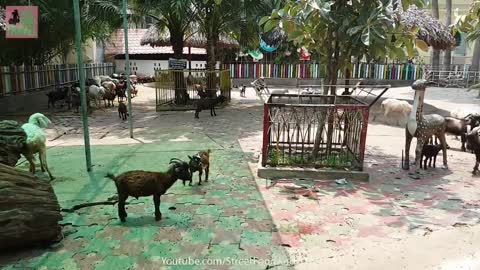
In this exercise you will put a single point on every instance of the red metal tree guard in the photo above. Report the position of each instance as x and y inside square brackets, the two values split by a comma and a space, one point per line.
[314, 131]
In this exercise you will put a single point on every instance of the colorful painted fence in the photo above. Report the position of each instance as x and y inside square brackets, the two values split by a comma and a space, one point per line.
[16, 80]
[254, 70]
[315, 71]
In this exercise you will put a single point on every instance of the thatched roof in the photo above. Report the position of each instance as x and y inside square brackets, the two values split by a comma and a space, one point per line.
[155, 38]
[3, 24]
[430, 30]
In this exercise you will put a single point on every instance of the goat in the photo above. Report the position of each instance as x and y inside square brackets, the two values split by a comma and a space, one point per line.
[394, 105]
[36, 142]
[209, 103]
[110, 93]
[198, 163]
[121, 89]
[430, 151]
[96, 93]
[57, 95]
[243, 90]
[122, 111]
[473, 139]
[144, 183]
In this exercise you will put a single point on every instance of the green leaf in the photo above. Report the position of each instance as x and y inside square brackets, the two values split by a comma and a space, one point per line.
[366, 36]
[264, 20]
[270, 25]
[352, 31]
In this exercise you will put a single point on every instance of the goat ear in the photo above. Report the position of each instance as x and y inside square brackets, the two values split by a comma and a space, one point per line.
[190, 157]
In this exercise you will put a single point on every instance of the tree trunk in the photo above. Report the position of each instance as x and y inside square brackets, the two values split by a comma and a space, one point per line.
[447, 58]
[435, 52]
[212, 40]
[476, 56]
[181, 95]
[12, 142]
[29, 210]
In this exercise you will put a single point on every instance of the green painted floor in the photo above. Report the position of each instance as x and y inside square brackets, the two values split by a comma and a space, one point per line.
[223, 224]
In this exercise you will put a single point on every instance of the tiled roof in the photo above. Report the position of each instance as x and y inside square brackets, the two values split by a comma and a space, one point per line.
[116, 44]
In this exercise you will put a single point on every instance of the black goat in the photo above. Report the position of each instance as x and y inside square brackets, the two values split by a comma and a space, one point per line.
[58, 94]
[473, 139]
[429, 152]
[143, 184]
[209, 103]
[122, 110]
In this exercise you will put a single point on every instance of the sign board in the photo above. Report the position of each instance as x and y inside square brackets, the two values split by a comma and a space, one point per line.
[21, 21]
[178, 64]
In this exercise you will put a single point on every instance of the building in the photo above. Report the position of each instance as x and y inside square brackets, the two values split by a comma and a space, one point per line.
[144, 60]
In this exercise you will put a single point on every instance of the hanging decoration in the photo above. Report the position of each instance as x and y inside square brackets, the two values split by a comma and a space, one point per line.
[288, 53]
[256, 54]
[268, 48]
[304, 54]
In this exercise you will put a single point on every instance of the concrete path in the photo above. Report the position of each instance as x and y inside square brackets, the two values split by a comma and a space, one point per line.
[237, 221]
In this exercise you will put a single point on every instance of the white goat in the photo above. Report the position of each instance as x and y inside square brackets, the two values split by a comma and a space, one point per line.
[96, 93]
[36, 141]
[390, 105]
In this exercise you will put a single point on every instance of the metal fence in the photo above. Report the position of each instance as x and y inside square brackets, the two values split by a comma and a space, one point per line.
[454, 78]
[314, 131]
[16, 80]
[179, 89]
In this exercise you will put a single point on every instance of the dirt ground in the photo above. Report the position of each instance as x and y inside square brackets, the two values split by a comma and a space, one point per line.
[393, 221]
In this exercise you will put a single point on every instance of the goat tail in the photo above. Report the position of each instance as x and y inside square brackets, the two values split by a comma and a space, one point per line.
[111, 176]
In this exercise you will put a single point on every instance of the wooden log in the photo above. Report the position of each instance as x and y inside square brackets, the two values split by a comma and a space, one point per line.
[12, 142]
[29, 210]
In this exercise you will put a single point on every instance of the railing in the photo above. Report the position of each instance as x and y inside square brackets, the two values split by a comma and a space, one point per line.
[454, 78]
[16, 80]
[179, 89]
[314, 131]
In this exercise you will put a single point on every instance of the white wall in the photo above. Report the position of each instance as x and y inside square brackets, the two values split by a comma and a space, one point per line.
[148, 67]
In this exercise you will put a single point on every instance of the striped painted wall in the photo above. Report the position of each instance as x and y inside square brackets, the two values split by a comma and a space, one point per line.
[20, 79]
[315, 71]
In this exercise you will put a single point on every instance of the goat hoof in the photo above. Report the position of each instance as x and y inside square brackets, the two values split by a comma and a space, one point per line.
[122, 219]
[200, 183]
[445, 167]
[157, 218]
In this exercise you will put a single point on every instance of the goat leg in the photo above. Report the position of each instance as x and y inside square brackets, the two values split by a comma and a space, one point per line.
[207, 169]
[31, 159]
[211, 111]
[462, 137]
[122, 214]
[156, 201]
[43, 162]
[200, 177]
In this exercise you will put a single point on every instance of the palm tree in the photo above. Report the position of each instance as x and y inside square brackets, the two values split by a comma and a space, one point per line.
[436, 52]
[237, 18]
[447, 58]
[176, 17]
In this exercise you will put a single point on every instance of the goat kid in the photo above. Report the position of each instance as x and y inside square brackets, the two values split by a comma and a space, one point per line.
[198, 163]
[122, 111]
[429, 152]
[144, 183]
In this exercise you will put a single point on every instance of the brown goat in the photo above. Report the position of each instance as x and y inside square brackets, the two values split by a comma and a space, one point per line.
[198, 163]
[143, 184]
